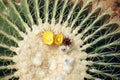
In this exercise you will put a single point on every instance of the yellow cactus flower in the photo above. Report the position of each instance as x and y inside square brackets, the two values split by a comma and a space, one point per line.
[48, 37]
[58, 39]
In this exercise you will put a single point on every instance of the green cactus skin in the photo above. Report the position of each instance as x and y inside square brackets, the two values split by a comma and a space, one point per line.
[92, 54]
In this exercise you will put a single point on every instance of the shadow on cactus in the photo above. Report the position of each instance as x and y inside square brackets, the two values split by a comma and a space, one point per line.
[58, 40]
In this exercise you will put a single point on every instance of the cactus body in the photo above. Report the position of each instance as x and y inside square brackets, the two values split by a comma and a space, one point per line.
[58, 40]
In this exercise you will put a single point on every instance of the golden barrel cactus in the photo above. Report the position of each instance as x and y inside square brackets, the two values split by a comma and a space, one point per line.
[58, 40]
